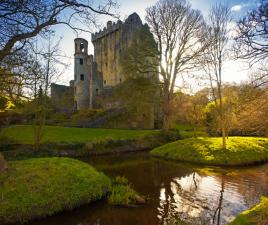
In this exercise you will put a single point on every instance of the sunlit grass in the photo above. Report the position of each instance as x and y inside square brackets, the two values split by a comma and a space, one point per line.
[41, 187]
[240, 150]
[23, 134]
[186, 130]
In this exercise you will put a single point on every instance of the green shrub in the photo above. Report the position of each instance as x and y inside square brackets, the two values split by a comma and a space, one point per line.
[87, 114]
[6, 140]
[122, 193]
[118, 180]
[171, 135]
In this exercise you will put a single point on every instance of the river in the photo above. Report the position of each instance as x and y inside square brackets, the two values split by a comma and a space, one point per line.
[202, 195]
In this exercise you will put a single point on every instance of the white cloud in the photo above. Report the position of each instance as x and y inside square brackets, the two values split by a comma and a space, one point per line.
[236, 8]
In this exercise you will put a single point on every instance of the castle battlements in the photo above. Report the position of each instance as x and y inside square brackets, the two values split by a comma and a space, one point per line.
[111, 27]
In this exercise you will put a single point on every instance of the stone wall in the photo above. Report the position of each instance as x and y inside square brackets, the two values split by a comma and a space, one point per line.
[62, 97]
[109, 44]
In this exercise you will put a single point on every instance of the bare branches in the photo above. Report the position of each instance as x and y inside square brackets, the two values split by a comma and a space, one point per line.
[252, 38]
[22, 20]
[178, 30]
[213, 59]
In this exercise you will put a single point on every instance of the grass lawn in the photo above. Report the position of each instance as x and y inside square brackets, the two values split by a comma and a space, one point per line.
[186, 130]
[207, 150]
[23, 134]
[258, 215]
[40, 187]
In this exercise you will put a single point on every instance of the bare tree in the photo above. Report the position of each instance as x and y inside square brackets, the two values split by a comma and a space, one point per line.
[22, 20]
[214, 57]
[18, 73]
[50, 58]
[252, 35]
[251, 42]
[179, 31]
[259, 76]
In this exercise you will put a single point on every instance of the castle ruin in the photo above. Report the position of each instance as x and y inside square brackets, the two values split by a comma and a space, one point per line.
[96, 74]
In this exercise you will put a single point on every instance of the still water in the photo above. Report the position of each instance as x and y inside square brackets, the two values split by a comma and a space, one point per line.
[203, 195]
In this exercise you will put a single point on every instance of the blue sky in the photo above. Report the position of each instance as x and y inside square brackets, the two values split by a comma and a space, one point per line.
[236, 71]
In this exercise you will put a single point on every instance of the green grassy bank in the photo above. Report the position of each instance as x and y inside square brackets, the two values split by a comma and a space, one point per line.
[240, 151]
[257, 215]
[16, 141]
[41, 187]
[24, 134]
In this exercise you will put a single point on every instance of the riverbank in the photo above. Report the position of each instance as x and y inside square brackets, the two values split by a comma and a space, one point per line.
[240, 151]
[78, 142]
[24, 134]
[37, 188]
[256, 215]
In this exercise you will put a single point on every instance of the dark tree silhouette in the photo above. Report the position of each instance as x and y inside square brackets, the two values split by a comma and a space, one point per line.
[22, 20]
[252, 38]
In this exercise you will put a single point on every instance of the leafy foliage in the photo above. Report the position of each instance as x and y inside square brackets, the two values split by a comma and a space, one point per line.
[122, 193]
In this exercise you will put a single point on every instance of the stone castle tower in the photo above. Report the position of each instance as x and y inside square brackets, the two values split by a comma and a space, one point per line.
[85, 80]
[96, 75]
[109, 44]
[82, 74]
[93, 75]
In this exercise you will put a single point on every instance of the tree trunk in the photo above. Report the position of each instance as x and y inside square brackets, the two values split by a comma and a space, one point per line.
[3, 164]
[166, 111]
[194, 129]
[223, 138]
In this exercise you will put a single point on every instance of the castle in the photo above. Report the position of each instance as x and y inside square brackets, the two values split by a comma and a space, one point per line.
[98, 73]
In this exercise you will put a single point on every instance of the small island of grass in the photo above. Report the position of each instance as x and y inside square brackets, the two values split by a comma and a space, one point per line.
[41, 187]
[256, 215]
[208, 151]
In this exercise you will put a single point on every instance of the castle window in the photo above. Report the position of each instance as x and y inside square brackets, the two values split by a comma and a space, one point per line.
[104, 81]
[82, 47]
[106, 64]
[97, 92]
[120, 80]
[82, 77]
[81, 61]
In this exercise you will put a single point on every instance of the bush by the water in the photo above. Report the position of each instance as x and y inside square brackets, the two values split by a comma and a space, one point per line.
[87, 115]
[41, 187]
[123, 194]
[240, 151]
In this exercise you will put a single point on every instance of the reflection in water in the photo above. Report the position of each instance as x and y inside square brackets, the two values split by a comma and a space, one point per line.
[198, 198]
[207, 196]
